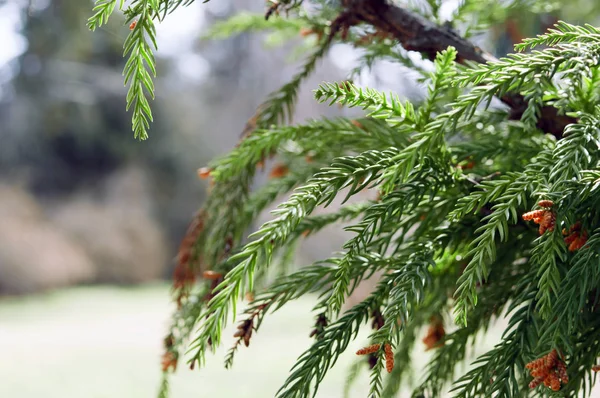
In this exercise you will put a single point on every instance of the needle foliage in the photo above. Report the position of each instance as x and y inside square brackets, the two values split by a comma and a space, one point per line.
[475, 214]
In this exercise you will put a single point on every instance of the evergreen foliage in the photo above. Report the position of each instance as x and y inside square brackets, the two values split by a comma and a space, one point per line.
[479, 212]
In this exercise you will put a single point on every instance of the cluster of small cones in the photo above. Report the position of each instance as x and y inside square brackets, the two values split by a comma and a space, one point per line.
[183, 277]
[320, 326]
[245, 328]
[546, 218]
[304, 32]
[169, 361]
[389, 358]
[279, 170]
[378, 322]
[467, 164]
[169, 358]
[244, 331]
[435, 334]
[216, 278]
[575, 237]
[212, 275]
[184, 274]
[204, 173]
[550, 370]
[389, 355]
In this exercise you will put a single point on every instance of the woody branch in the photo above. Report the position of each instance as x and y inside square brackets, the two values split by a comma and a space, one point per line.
[416, 33]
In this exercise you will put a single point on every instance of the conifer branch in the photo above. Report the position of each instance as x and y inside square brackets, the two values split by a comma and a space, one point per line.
[562, 33]
[250, 22]
[309, 279]
[407, 292]
[586, 349]
[356, 172]
[263, 143]
[140, 68]
[416, 33]
[404, 350]
[103, 10]
[483, 247]
[580, 141]
[429, 137]
[484, 379]
[471, 205]
[313, 364]
[548, 255]
[382, 106]
[441, 368]
[163, 391]
[575, 289]
[389, 210]
[486, 192]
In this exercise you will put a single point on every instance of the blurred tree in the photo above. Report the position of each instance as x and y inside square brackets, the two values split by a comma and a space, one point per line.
[75, 133]
[73, 143]
[63, 126]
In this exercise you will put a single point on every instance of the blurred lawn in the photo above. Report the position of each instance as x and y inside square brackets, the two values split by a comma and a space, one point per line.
[105, 342]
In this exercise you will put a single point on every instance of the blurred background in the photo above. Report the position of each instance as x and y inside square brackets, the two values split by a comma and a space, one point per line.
[90, 219]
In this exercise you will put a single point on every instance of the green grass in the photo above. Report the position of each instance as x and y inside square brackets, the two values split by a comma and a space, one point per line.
[105, 342]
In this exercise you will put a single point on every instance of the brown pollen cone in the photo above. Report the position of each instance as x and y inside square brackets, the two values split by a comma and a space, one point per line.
[183, 274]
[545, 203]
[550, 370]
[280, 170]
[211, 275]
[534, 215]
[575, 238]
[435, 334]
[545, 218]
[169, 361]
[320, 326]
[368, 350]
[389, 358]
[204, 173]
[244, 331]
